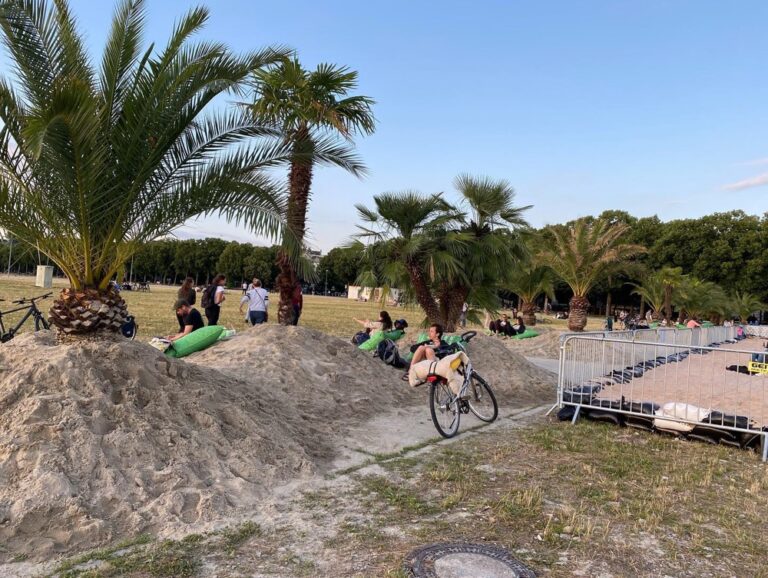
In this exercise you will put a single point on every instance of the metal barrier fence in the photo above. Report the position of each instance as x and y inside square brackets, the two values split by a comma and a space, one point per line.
[694, 382]
[757, 330]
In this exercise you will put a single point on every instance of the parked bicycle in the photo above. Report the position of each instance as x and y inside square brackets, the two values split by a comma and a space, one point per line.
[30, 306]
[475, 395]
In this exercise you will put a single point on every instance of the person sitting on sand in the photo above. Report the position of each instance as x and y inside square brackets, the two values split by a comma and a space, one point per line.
[692, 323]
[519, 327]
[190, 316]
[504, 326]
[383, 324]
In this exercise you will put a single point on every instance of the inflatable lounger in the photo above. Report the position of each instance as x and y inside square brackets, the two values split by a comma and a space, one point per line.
[195, 341]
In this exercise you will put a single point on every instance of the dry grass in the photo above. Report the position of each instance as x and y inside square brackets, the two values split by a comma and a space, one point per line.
[153, 309]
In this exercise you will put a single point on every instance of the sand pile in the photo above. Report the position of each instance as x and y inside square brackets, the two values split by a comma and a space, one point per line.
[547, 344]
[100, 440]
[515, 380]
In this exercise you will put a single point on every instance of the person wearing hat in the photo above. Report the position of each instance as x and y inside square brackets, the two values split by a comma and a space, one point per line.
[190, 317]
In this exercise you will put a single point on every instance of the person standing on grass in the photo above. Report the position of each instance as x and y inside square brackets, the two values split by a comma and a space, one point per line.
[297, 302]
[190, 316]
[188, 294]
[215, 297]
[258, 303]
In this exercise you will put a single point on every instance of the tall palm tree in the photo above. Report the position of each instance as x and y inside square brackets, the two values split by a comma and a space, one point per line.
[312, 109]
[653, 292]
[745, 304]
[95, 162]
[581, 255]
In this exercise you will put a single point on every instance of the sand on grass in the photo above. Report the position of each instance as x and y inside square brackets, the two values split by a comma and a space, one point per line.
[104, 440]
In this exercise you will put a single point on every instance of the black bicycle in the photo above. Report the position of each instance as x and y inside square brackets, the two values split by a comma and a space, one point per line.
[30, 306]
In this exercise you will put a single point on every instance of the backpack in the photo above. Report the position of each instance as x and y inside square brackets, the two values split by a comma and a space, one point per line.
[360, 337]
[388, 353]
[207, 300]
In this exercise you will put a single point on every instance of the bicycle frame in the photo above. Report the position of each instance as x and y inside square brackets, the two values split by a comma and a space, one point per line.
[31, 311]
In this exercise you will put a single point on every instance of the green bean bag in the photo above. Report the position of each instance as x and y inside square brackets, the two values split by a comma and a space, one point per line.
[195, 341]
[707, 324]
[377, 337]
[527, 334]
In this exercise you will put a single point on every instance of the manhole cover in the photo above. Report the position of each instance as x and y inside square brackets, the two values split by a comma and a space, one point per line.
[462, 560]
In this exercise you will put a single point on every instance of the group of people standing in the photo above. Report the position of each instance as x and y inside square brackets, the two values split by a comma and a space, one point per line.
[255, 298]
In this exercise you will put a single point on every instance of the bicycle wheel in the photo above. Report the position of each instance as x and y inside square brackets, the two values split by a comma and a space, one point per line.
[481, 400]
[444, 408]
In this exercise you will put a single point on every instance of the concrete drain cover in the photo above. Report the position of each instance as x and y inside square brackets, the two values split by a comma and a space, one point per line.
[462, 560]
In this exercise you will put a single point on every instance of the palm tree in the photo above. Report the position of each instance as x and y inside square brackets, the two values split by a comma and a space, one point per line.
[697, 298]
[673, 279]
[581, 255]
[403, 252]
[529, 281]
[744, 304]
[95, 162]
[312, 109]
[444, 255]
[653, 292]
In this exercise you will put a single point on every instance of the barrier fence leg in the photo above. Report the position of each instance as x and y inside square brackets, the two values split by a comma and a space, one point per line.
[765, 447]
[551, 409]
[578, 409]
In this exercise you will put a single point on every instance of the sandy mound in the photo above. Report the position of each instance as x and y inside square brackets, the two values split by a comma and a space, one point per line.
[547, 344]
[515, 380]
[100, 440]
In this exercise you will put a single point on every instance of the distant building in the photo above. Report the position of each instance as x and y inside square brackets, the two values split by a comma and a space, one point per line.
[314, 256]
[358, 293]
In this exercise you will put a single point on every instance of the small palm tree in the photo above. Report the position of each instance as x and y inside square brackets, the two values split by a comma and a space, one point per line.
[745, 304]
[529, 281]
[653, 292]
[445, 256]
[673, 279]
[311, 109]
[403, 252]
[697, 298]
[95, 162]
[581, 255]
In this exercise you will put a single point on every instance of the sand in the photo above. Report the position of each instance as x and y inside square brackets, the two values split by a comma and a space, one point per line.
[546, 344]
[703, 381]
[104, 440]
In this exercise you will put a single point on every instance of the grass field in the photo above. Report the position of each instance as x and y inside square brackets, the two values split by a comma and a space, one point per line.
[154, 314]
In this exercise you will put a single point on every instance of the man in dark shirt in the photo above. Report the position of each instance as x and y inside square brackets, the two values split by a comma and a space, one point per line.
[190, 317]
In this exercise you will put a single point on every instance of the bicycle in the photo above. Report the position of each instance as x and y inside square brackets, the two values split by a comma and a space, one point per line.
[31, 311]
[475, 395]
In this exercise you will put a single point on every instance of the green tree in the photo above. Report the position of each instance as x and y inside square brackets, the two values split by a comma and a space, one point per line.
[653, 292]
[529, 281]
[745, 304]
[441, 255]
[581, 255]
[98, 161]
[313, 109]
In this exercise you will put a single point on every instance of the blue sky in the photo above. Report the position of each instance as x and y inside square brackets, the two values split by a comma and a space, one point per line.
[654, 107]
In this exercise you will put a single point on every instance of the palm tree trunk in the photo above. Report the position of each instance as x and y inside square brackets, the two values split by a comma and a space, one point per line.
[668, 303]
[577, 316]
[300, 183]
[423, 294]
[454, 300]
[88, 311]
[608, 303]
[528, 310]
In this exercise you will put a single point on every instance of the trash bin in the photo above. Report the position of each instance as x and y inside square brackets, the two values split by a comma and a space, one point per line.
[44, 276]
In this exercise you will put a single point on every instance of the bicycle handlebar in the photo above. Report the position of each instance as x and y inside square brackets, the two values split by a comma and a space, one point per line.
[24, 300]
[468, 335]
